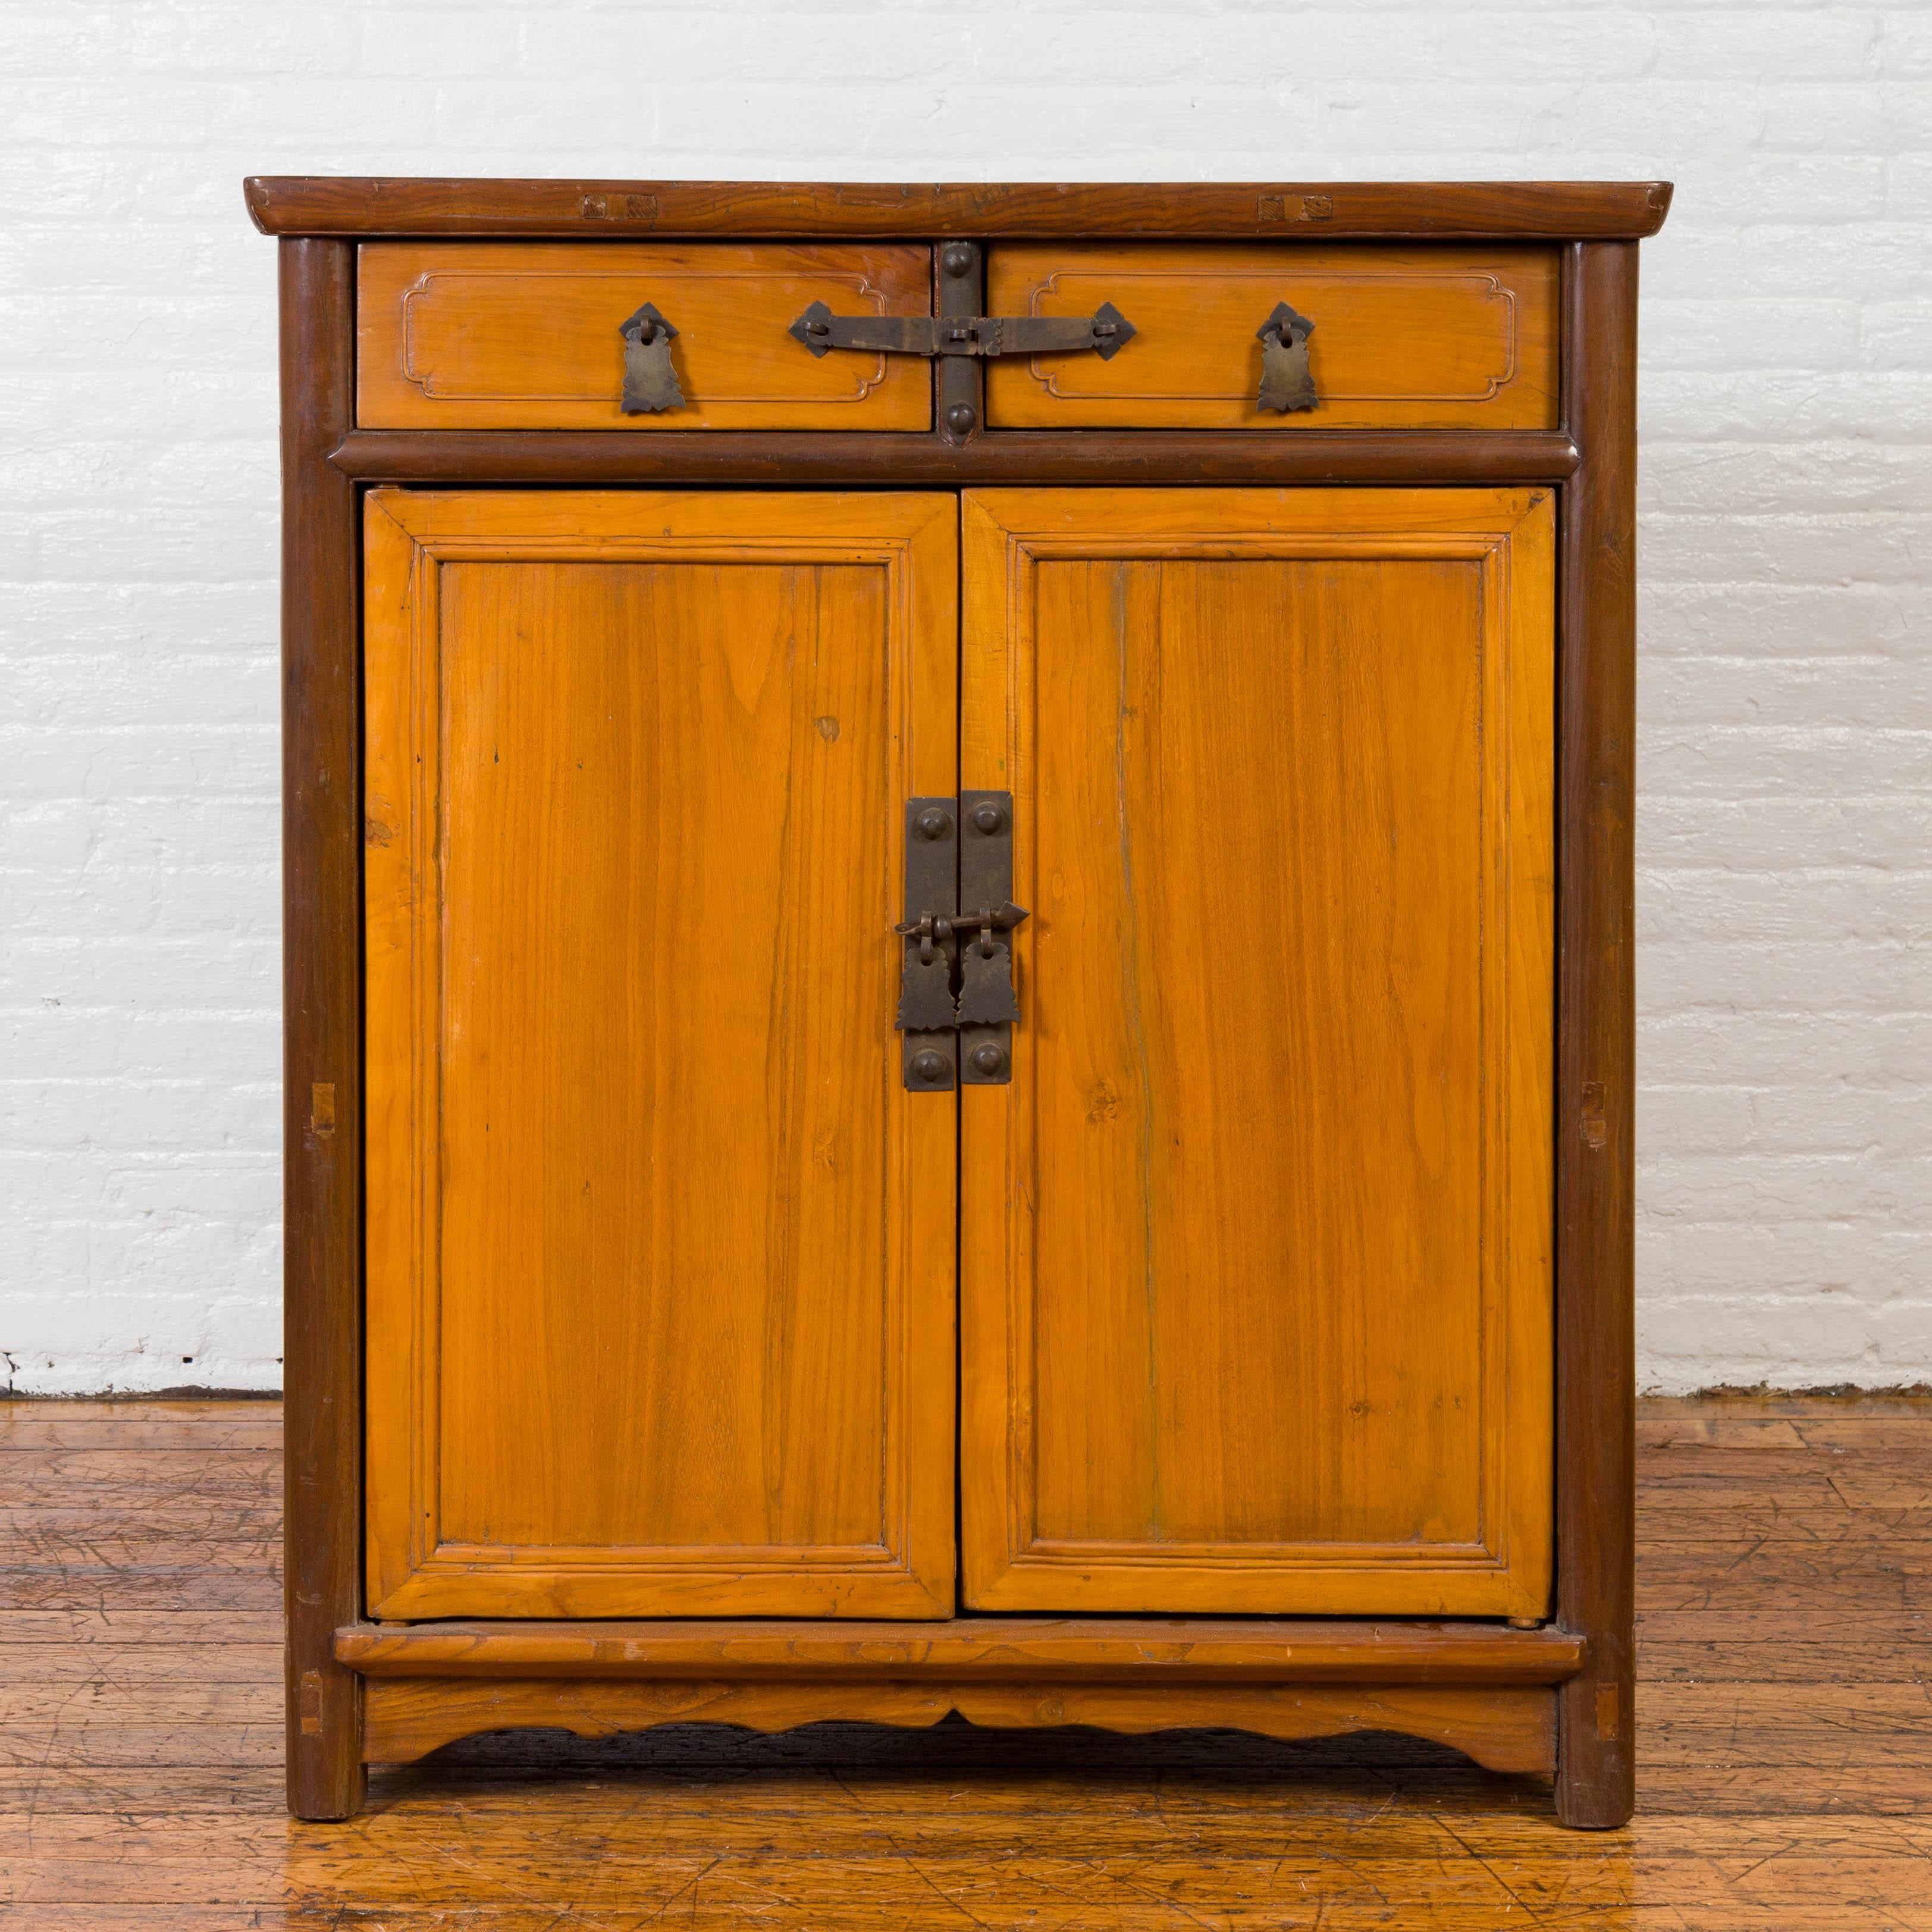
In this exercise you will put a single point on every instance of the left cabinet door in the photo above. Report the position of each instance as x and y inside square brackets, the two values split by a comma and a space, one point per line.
[660, 1251]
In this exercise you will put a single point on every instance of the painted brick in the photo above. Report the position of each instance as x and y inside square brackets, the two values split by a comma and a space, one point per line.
[1785, 726]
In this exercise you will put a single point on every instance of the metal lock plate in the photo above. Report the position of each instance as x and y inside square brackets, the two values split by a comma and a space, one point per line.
[927, 1051]
[650, 381]
[1287, 383]
[1106, 332]
[986, 884]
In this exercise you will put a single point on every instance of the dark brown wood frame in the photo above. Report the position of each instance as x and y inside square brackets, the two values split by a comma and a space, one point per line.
[1319, 1676]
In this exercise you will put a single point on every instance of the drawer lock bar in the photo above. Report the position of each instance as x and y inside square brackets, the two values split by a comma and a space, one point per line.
[956, 1002]
[1106, 332]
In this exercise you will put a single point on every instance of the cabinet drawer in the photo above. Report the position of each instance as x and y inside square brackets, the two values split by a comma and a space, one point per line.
[1438, 337]
[461, 335]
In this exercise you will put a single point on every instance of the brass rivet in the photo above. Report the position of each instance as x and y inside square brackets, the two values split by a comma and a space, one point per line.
[989, 819]
[928, 1066]
[961, 417]
[956, 258]
[989, 1059]
[932, 822]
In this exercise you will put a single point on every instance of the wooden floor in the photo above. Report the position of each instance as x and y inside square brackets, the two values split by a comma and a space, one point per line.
[1785, 1578]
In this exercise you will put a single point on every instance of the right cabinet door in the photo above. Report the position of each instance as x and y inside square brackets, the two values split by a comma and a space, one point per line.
[1256, 1246]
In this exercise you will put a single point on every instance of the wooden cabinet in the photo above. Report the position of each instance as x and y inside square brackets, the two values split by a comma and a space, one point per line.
[1232, 1238]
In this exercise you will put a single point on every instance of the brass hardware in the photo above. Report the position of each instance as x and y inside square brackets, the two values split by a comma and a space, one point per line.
[926, 1018]
[959, 382]
[1286, 382]
[987, 1006]
[955, 971]
[1106, 332]
[650, 383]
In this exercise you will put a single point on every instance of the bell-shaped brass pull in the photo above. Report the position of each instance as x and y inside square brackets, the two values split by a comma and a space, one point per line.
[650, 383]
[1286, 383]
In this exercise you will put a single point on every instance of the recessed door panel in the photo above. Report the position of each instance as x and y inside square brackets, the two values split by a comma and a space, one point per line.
[661, 1300]
[1256, 1245]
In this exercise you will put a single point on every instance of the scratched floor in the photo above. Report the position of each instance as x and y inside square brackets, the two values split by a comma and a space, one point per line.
[1785, 1580]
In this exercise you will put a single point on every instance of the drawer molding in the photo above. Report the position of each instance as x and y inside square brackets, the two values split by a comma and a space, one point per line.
[1048, 374]
[454, 336]
[864, 380]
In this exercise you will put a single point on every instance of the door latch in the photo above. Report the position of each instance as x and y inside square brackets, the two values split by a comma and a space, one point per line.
[1106, 332]
[1286, 382]
[957, 1005]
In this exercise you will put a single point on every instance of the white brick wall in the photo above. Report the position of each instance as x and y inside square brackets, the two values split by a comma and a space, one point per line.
[1785, 1196]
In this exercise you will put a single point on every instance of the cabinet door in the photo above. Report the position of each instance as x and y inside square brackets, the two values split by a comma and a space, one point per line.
[1256, 1246]
[660, 1252]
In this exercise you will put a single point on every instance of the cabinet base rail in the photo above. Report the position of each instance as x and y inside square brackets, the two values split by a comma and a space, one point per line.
[1485, 1689]
[1503, 1727]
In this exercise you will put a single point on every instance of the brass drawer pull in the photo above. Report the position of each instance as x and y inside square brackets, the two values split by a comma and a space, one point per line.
[650, 383]
[1106, 332]
[1286, 383]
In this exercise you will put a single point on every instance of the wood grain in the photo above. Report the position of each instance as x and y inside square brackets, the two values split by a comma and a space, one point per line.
[805, 459]
[1596, 1066]
[1281, 763]
[1219, 1649]
[322, 1031]
[1766, 1805]
[503, 336]
[1412, 338]
[1510, 1729]
[660, 1301]
[1327, 211]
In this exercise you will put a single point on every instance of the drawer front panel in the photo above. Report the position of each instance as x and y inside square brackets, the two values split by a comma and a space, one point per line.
[517, 336]
[1407, 338]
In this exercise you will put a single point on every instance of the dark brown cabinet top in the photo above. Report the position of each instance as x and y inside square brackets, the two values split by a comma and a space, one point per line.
[1547, 210]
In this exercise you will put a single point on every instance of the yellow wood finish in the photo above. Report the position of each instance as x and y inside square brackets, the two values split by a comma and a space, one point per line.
[1174, 1650]
[1256, 1247]
[1507, 1728]
[1438, 337]
[502, 335]
[660, 1302]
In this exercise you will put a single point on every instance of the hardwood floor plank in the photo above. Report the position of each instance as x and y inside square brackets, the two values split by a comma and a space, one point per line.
[157, 1588]
[211, 1519]
[133, 1625]
[81, 1475]
[206, 1428]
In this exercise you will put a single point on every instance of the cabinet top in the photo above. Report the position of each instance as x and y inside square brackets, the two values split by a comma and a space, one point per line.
[344, 204]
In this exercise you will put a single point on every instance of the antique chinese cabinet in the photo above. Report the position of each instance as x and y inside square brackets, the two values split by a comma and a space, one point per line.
[958, 961]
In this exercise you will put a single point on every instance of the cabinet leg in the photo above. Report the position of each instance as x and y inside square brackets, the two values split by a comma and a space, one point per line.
[1596, 1767]
[327, 1781]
